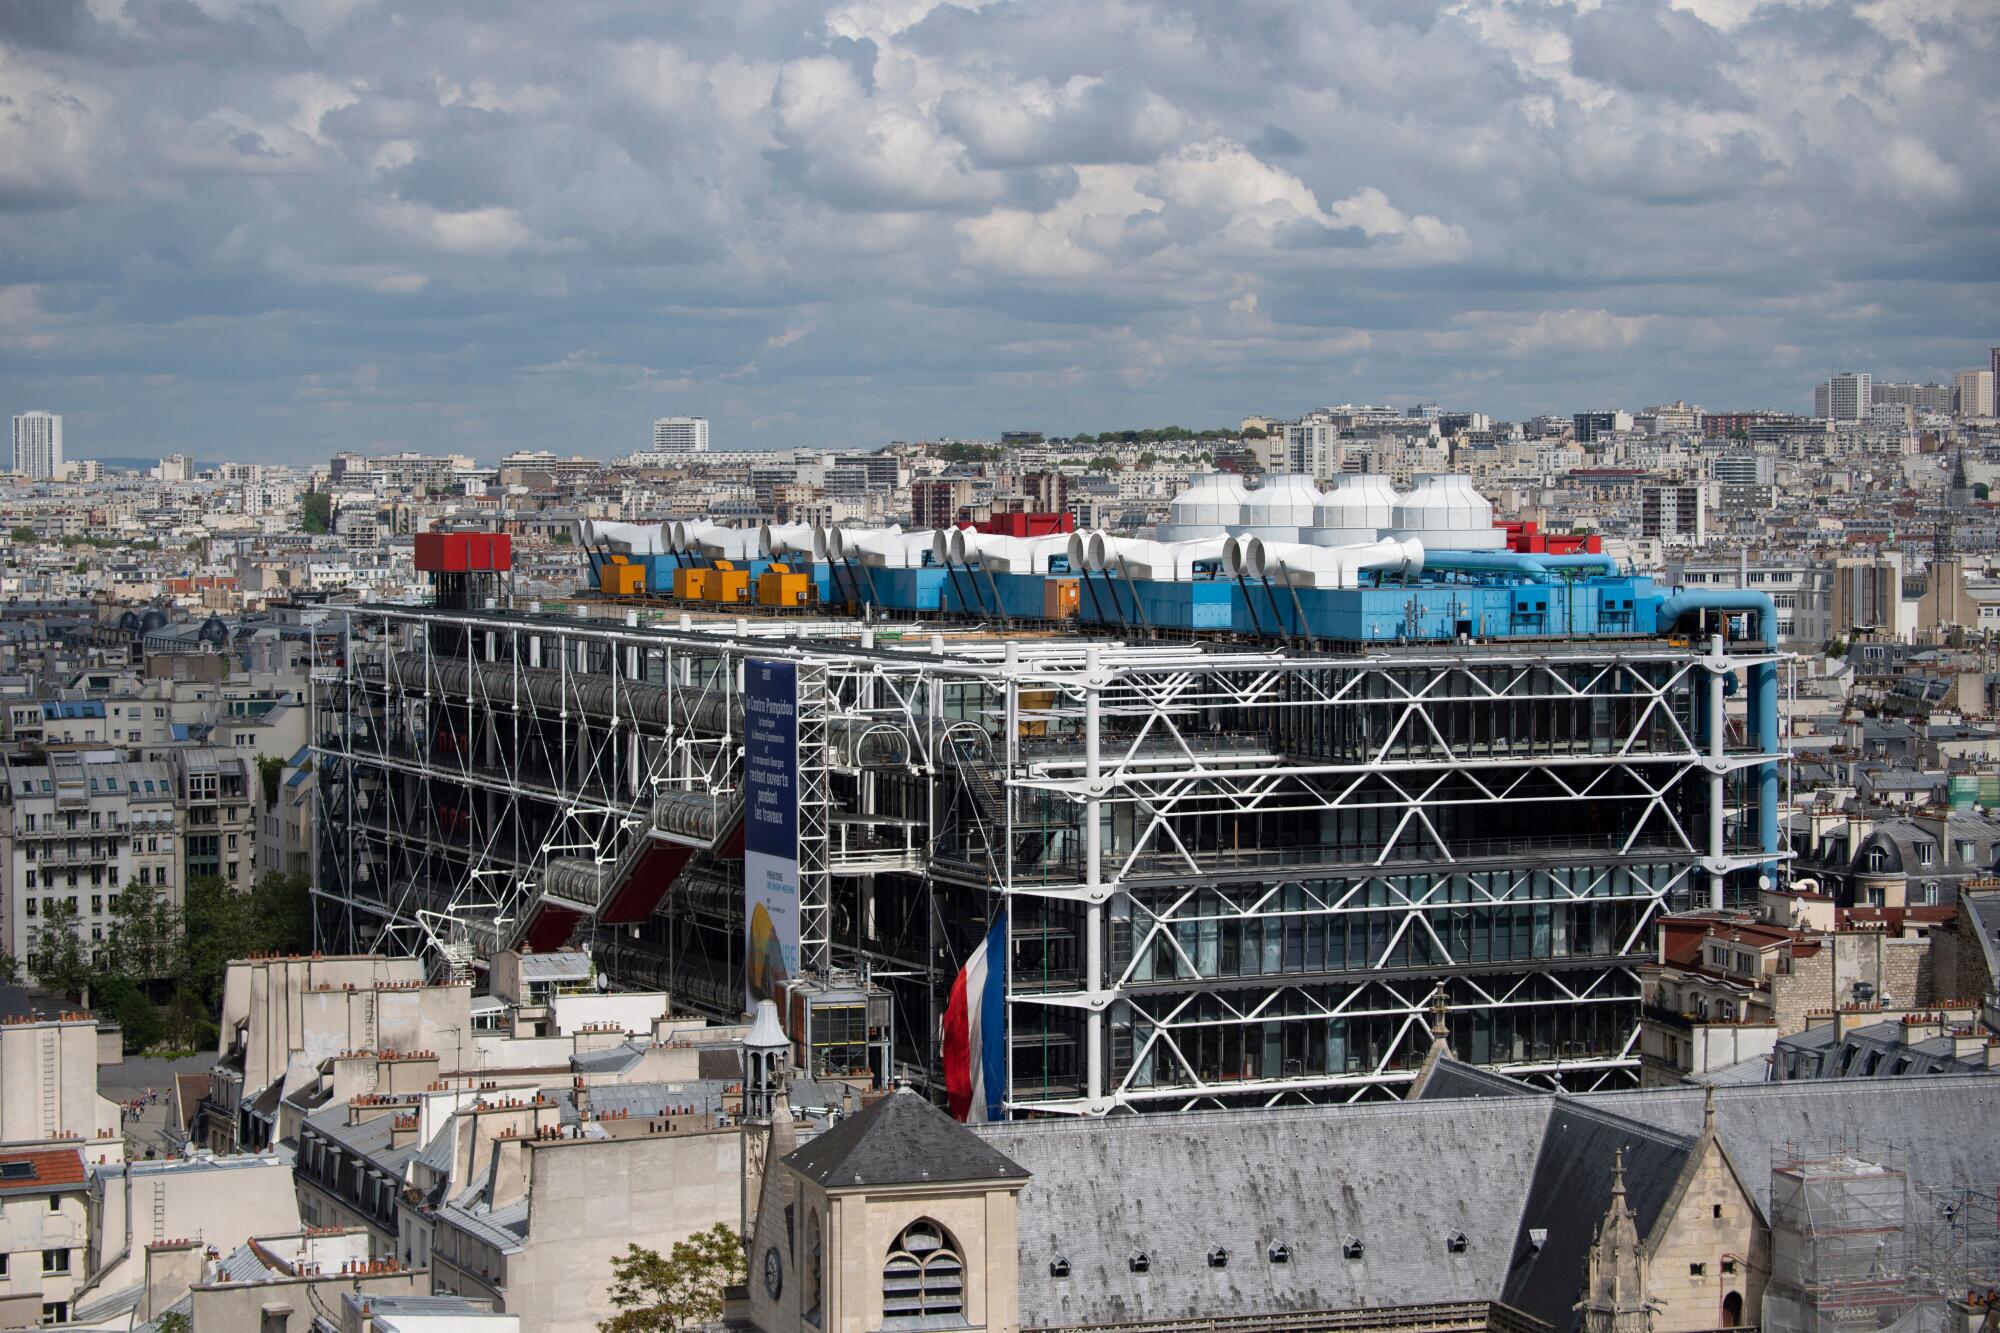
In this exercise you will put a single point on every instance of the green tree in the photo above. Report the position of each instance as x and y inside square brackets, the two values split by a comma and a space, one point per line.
[1103, 463]
[144, 929]
[663, 1295]
[188, 1025]
[22, 536]
[57, 956]
[1980, 491]
[10, 969]
[216, 926]
[316, 511]
[1085, 438]
[138, 1018]
[1256, 433]
[281, 910]
[562, 537]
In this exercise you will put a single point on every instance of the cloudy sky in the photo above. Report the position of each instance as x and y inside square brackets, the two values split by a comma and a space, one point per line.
[267, 230]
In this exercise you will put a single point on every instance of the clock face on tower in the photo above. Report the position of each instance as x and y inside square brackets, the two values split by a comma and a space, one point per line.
[774, 1272]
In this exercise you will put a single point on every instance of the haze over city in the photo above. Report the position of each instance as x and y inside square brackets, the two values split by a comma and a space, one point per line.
[268, 232]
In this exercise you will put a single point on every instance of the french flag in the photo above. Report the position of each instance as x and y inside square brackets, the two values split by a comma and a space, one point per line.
[975, 1031]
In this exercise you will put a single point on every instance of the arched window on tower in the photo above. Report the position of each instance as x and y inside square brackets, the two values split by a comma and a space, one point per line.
[923, 1280]
[815, 1269]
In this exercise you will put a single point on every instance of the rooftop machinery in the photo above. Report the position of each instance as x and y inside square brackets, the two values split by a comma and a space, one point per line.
[1229, 873]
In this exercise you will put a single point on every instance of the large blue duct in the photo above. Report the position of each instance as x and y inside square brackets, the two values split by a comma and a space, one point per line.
[1762, 730]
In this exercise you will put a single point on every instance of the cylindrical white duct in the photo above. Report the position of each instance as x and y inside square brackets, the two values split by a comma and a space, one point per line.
[837, 539]
[1301, 564]
[729, 544]
[891, 548]
[1162, 561]
[624, 538]
[999, 554]
[682, 536]
[782, 539]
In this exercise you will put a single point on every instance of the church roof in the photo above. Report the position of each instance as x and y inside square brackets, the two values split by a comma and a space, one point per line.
[901, 1140]
[1570, 1192]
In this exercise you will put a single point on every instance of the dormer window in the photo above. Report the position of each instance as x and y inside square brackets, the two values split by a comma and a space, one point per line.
[1058, 1267]
[1877, 859]
[1281, 1253]
[1140, 1262]
[1455, 1243]
[1351, 1250]
[1218, 1258]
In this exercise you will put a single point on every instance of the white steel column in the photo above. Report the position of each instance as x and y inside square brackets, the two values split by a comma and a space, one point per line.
[1717, 726]
[1093, 877]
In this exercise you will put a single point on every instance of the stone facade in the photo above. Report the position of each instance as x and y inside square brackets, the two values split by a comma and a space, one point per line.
[1900, 968]
[1709, 1246]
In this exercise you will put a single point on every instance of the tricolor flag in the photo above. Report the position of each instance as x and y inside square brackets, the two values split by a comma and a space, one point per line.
[975, 1030]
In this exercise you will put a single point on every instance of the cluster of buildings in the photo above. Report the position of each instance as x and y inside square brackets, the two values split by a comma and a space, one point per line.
[1382, 869]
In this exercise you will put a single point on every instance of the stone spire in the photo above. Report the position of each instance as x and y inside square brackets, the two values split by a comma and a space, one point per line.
[1614, 1293]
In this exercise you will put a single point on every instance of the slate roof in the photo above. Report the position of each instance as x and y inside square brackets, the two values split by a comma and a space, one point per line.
[650, 1099]
[1451, 1079]
[1400, 1177]
[900, 1140]
[1944, 1125]
[1570, 1192]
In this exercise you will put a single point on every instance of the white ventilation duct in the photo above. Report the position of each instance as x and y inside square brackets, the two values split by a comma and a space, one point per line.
[681, 537]
[1280, 509]
[835, 539]
[624, 538]
[1211, 506]
[728, 544]
[1077, 548]
[778, 540]
[887, 548]
[1445, 513]
[1358, 509]
[1160, 561]
[1303, 565]
[998, 554]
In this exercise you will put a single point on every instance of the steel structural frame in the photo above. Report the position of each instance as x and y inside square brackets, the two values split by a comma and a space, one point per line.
[1132, 711]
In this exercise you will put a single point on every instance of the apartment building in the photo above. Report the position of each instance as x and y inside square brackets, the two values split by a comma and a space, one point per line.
[77, 827]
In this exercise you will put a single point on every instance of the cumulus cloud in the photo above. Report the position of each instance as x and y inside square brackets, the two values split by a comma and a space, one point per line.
[334, 223]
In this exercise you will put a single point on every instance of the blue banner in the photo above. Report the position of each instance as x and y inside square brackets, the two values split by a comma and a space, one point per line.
[770, 830]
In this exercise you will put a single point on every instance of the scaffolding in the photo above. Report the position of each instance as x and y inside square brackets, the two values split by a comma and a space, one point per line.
[1231, 876]
[1857, 1248]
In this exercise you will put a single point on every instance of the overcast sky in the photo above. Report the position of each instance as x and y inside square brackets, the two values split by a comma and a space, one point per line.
[276, 230]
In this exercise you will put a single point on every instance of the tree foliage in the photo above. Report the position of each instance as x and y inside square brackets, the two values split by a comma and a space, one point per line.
[57, 956]
[316, 511]
[145, 930]
[664, 1295]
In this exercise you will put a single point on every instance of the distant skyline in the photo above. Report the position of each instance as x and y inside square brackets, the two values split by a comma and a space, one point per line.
[251, 231]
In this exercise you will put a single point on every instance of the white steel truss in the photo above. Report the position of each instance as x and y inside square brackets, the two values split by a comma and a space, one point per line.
[1233, 877]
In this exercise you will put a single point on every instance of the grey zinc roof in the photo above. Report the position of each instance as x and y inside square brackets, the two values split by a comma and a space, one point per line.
[648, 1099]
[901, 1140]
[1570, 1193]
[1401, 1178]
[503, 1228]
[566, 965]
[1944, 1126]
[1451, 1079]
[610, 1060]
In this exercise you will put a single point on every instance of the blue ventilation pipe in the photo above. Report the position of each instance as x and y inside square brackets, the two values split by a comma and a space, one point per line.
[1762, 731]
[1487, 562]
